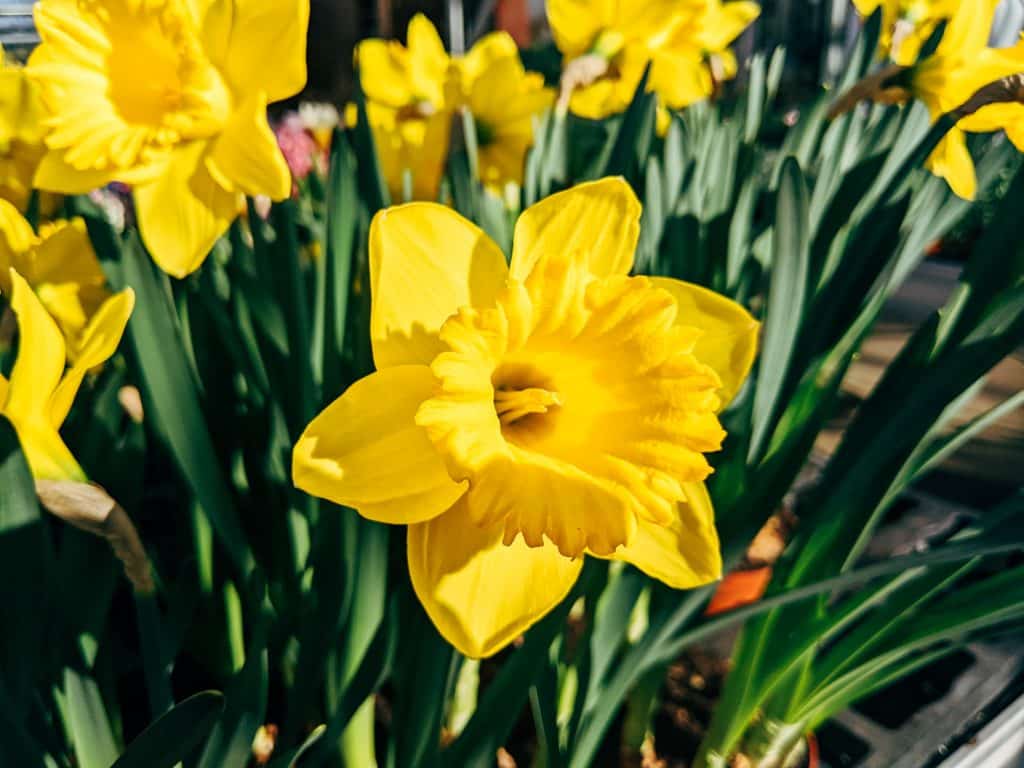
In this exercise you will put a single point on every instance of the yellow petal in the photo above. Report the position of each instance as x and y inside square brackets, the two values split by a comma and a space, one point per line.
[16, 235]
[267, 47]
[365, 451]
[4, 386]
[488, 49]
[182, 213]
[575, 24]
[479, 593]
[684, 554]
[246, 158]
[25, 398]
[382, 72]
[597, 222]
[99, 342]
[952, 161]
[730, 334]
[47, 455]
[41, 354]
[428, 62]
[681, 77]
[727, 24]
[426, 261]
[55, 175]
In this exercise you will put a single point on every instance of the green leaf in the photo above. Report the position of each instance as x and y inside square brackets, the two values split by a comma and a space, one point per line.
[626, 151]
[169, 739]
[25, 568]
[230, 743]
[786, 296]
[172, 400]
[291, 758]
[89, 727]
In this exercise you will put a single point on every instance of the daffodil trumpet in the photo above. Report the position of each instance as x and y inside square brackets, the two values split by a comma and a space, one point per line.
[525, 416]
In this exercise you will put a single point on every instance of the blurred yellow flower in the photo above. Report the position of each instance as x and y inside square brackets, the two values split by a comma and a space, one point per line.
[60, 265]
[40, 392]
[21, 132]
[410, 94]
[524, 416]
[606, 47]
[961, 65]
[697, 59]
[906, 24]
[504, 101]
[169, 96]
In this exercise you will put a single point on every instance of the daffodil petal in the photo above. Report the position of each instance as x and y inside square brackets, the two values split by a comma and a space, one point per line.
[267, 47]
[47, 455]
[98, 342]
[479, 593]
[598, 222]
[728, 343]
[246, 157]
[426, 261]
[182, 213]
[55, 175]
[4, 386]
[365, 451]
[575, 24]
[683, 554]
[428, 62]
[951, 160]
[41, 354]
[16, 235]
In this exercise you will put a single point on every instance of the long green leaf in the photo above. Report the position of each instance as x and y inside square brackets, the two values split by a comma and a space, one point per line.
[169, 739]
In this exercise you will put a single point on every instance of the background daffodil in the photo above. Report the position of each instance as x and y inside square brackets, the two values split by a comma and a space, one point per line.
[906, 25]
[524, 416]
[504, 100]
[170, 97]
[21, 132]
[410, 92]
[40, 392]
[60, 265]
[961, 65]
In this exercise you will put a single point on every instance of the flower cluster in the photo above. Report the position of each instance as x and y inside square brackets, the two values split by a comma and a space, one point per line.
[945, 78]
[608, 46]
[414, 91]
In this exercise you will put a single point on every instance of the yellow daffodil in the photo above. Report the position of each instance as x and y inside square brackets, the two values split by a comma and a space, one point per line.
[607, 46]
[524, 416]
[697, 58]
[21, 132]
[961, 65]
[168, 96]
[410, 94]
[504, 100]
[906, 24]
[60, 265]
[40, 392]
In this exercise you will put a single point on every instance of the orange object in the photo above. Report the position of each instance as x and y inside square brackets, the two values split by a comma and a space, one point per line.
[513, 16]
[813, 756]
[739, 588]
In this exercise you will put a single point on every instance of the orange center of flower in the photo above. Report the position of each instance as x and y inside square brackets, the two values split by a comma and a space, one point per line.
[573, 407]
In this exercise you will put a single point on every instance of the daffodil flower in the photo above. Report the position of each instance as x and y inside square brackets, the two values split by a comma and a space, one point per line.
[961, 65]
[411, 93]
[504, 100]
[685, 43]
[60, 265]
[697, 58]
[40, 392]
[906, 25]
[170, 97]
[522, 417]
[21, 132]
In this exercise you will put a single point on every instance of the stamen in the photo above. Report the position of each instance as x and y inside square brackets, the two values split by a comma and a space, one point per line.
[512, 405]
